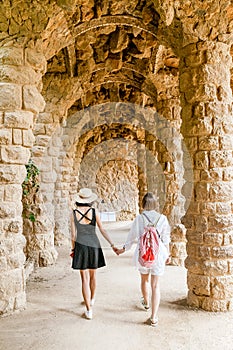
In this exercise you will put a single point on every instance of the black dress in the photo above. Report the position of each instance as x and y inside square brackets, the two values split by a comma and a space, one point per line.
[88, 253]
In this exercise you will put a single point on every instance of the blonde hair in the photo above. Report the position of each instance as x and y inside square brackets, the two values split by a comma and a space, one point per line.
[149, 201]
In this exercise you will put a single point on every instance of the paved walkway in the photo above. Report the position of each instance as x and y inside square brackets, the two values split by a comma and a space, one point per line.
[52, 320]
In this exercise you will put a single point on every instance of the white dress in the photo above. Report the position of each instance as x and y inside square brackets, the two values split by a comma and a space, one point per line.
[164, 231]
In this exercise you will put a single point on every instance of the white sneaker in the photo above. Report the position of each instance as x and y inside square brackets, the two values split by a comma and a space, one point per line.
[92, 302]
[88, 314]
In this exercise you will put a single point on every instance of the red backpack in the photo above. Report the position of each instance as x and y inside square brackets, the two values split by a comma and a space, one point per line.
[148, 244]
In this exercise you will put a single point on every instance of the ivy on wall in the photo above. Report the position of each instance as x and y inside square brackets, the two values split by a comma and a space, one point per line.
[30, 188]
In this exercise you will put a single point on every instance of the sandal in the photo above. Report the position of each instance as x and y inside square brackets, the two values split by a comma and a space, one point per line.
[144, 305]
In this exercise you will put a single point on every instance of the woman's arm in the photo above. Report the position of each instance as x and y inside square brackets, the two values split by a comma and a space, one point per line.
[132, 236]
[73, 231]
[103, 232]
[165, 233]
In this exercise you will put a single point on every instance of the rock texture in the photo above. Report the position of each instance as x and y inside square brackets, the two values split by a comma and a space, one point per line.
[124, 97]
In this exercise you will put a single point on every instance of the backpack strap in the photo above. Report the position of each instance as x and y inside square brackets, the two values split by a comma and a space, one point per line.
[156, 222]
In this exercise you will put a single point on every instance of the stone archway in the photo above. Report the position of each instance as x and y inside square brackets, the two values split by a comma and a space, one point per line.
[89, 53]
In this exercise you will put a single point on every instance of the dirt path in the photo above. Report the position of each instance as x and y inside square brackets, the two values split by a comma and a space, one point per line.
[52, 320]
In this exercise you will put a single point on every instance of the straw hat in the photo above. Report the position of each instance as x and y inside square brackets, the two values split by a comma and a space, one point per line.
[85, 195]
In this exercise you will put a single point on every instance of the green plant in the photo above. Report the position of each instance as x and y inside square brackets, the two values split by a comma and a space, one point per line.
[30, 188]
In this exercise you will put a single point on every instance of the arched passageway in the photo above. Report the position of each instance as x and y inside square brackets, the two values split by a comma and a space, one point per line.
[142, 77]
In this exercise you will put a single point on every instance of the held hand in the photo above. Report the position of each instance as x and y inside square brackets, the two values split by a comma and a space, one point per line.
[114, 249]
[120, 251]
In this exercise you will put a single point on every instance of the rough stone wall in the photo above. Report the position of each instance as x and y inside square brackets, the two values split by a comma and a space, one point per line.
[207, 126]
[117, 185]
[20, 101]
[91, 52]
[111, 170]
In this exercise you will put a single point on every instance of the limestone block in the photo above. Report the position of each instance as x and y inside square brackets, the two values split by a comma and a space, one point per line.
[215, 268]
[192, 250]
[213, 239]
[226, 142]
[12, 173]
[12, 193]
[228, 174]
[194, 207]
[48, 177]
[223, 208]
[16, 260]
[11, 56]
[186, 80]
[14, 154]
[194, 300]
[193, 266]
[54, 151]
[230, 266]
[3, 265]
[194, 60]
[200, 128]
[204, 252]
[222, 287]
[47, 257]
[42, 140]
[13, 226]
[10, 96]
[201, 160]
[208, 143]
[178, 249]
[202, 191]
[28, 138]
[39, 129]
[36, 60]
[201, 223]
[17, 137]
[224, 252]
[5, 137]
[20, 301]
[12, 282]
[221, 191]
[19, 74]
[208, 208]
[220, 159]
[228, 238]
[214, 305]
[44, 164]
[6, 210]
[38, 151]
[220, 222]
[212, 175]
[19, 119]
[43, 225]
[45, 118]
[200, 285]
[32, 99]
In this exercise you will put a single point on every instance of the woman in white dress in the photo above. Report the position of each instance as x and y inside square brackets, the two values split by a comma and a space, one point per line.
[153, 273]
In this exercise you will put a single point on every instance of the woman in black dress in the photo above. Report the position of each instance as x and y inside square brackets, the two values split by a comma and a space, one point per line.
[86, 252]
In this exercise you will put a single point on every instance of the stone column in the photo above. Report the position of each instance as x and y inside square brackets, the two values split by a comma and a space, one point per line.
[142, 173]
[208, 130]
[19, 102]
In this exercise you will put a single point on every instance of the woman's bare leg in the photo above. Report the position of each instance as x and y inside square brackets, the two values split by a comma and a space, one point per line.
[85, 287]
[92, 283]
[145, 287]
[155, 296]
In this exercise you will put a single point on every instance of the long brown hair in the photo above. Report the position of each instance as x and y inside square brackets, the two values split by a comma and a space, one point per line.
[149, 201]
